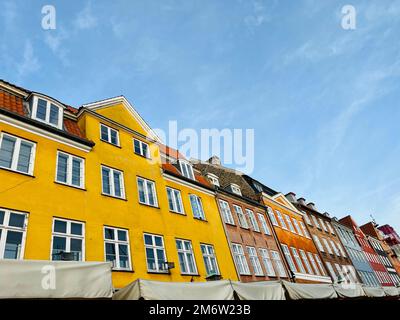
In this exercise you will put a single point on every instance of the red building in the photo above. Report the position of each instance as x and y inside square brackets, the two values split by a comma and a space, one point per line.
[370, 253]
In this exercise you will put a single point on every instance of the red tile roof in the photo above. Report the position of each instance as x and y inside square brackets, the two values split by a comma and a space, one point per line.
[171, 152]
[169, 168]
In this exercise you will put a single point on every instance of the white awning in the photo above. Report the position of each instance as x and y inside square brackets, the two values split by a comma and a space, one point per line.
[158, 290]
[349, 291]
[391, 291]
[263, 290]
[299, 291]
[36, 279]
[374, 292]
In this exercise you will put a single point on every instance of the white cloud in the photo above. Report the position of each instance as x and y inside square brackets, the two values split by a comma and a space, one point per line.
[29, 63]
[54, 40]
[257, 17]
[85, 18]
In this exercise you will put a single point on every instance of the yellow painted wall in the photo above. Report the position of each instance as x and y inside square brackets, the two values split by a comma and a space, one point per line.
[45, 199]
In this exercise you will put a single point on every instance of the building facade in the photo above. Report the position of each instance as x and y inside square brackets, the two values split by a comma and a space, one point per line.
[376, 240]
[328, 243]
[369, 252]
[253, 244]
[393, 241]
[89, 185]
[297, 246]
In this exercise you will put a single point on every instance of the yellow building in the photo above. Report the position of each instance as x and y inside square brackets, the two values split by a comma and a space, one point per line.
[90, 185]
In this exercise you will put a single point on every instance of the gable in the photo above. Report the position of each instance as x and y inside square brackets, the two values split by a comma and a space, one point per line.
[280, 198]
[121, 111]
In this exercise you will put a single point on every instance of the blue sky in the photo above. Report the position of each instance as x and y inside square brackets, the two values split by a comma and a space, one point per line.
[323, 100]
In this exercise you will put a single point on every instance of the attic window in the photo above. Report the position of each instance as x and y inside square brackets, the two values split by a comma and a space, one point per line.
[236, 189]
[186, 169]
[48, 112]
[213, 179]
[258, 187]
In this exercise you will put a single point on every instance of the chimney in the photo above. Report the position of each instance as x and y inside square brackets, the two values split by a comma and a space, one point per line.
[301, 201]
[214, 160]
[291, 196]
[311, 205]
[326, 214]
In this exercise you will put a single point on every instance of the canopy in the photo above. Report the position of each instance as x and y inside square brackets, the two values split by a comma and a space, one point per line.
[54, 279]
[349, 291]
[263, 290]
[158, 290]
[299, 291]
[374, 292]
[391, 291]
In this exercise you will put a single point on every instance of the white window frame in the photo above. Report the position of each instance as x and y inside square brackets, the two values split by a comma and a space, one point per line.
[199, 203]
[335, 249]
[241, 217]
[323, 224]
[289, 223]
[146, 184]
[69, 170]
[316, 223]
[297, 227]
[305, 231]
[289, 258]
[330, 227]
[154, 247]
[109, 129]
[272, 216]
[226, 212]
[116, 242]
[235, 189]
[306, 263]
[298, 260]
[207, 256]
[319, 244]
[186, 169]
[213, 179]
[253, 220]
[176, 199]
[68, 236]
[141, 153]
[313, 263]
[327, 246]
[35, 101]
[16, 151]
[264, 224]
[319, 262]
[5, 228]
[267, 261]
[281, 220]
[307, 218]
[186, 253]
[331, 271]
[240, 259]
[254, 261]
[278, 263]
[112, 186]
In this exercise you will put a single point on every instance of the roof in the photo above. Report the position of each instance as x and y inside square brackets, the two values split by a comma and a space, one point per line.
[170, 152]
[200, 180]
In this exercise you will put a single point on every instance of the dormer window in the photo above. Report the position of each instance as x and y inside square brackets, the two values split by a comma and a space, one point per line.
[236, 189]
[47, 111]
[213, 179]
[186, 169]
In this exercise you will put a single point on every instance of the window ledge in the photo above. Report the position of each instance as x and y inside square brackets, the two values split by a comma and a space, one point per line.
[18, 172]
[71, 186]
[113, 197]
[200, 219]
[159, 272]
[149, 205]
[115, 145]
[122, 270]
[190, 274]
[179, 213]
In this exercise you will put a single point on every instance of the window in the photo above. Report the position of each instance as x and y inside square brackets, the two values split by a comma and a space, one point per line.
[47, 112]
[331, 271]
[335, 249]
[323, 225]
[255, 262]
[318, 243]
[315, 222]
[321, 266]
[12, 234]
[276, 258]
[175, 200]
[314, 265]
[253, 221]
[17, 154]
[186, 169]
[236, 189]
[68, 240]
[307, 218]
[226, 212]
[339, 272]
[341, 250]
[197, 207]
[155, 253]
[297, 227]
[330, 227]
[289, 258]
[241, 217]
[147, 192]
[141, 148]
[305, 261]
[210, 260]
[70, 170]
[186, 257]
[116, 242]
[112, 182]
[289, 223]
[264, 224]
[281, 221]
[240, 259]
[272, 216]
[298, 260]
[304, 228]
[267, 262]
[109, 135]
[327, 245]
[213, 179]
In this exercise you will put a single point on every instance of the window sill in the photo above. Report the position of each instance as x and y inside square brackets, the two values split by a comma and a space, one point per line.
[113, 197]
[190, 274]
[179, 213]
[122, 270]
[68, 185]
[200, 219]
[142, 156]
[149, 205]
[18, 172]
[115, 145]
[159, 272]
